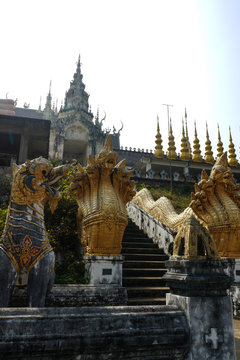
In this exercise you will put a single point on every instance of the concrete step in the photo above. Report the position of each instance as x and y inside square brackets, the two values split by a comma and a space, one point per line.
[137, 237]
[135, 281]
[132, 244]
[143, 268]
[145, 257]
[144, 264]
[133, 272]
[135, 234]
[147, 292]
[147, 301]
[142, 250]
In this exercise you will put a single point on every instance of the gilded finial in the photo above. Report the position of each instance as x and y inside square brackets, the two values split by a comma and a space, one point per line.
[208, 149]
[158, 153]
[197, 157]
[171, 154]
[187, 137]
[79, 64]
[219, 144]
[232, 161]
[40, 104]
[184, 154]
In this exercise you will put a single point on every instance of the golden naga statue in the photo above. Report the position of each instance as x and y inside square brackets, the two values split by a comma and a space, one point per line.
[215, 203]
[193, 242]
[102, 190]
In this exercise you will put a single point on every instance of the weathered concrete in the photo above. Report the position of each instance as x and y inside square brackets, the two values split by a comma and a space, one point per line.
[94, 333]
[235, 289]
[237, 337]
[104, 270]
[76, 295]
[234, 292]
[199, 288]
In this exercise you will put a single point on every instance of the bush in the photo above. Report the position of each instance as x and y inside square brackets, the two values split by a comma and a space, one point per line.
[64, 237]
[62, 233]
[180, 196]
[3, 214]
[5, 188]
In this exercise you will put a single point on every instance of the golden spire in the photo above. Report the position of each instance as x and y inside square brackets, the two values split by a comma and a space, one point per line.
[219, 144]
[232, 161]
[187, 138]
[158, 153]
[208, 149]
[184, 154]
[197, 157]
[171, 154]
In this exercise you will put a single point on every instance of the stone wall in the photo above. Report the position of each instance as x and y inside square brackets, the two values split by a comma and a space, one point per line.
[94, 333]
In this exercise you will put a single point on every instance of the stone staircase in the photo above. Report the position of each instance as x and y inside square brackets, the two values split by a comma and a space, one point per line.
[143, 268]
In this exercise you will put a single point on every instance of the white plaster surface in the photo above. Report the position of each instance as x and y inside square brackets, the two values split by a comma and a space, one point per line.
[237, 268]
[104, 270]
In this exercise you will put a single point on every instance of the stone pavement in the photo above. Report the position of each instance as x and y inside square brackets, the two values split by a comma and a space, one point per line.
[237, 336]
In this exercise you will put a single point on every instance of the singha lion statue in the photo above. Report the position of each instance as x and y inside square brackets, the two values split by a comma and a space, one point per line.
[24, 245]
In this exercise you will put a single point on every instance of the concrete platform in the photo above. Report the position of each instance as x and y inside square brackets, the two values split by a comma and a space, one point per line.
[94, 333]
[237, 336]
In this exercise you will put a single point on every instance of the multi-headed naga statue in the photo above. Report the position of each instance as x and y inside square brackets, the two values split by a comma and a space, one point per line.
[215, 204]
[102, 190]
[24, 245]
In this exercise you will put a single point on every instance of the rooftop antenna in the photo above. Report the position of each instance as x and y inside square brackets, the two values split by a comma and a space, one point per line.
[168, 105]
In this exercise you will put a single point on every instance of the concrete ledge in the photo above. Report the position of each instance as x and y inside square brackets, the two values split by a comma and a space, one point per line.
[76, 295]
[93, 333]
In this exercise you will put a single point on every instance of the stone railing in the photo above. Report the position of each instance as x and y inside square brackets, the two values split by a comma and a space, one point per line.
[136, 149]
[159, 233]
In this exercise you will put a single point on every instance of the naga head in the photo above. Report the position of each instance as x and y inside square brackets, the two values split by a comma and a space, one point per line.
[221, 173]
[33, 182]
[107, 158]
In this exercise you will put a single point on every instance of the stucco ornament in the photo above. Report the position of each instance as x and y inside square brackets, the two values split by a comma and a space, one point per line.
[193, 242]
[24, 245]
[102, 190]
[215, 203]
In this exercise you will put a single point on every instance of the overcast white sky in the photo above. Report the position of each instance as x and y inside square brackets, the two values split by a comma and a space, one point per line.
[136, 55]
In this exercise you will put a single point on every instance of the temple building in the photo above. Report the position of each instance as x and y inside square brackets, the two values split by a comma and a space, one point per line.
[71, 133]
[74, 132]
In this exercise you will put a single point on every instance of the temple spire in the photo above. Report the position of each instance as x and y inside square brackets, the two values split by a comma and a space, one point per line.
[184, 154]
[158, 153]
[219, 144]
[79, 65]
[48, 105]
[197, 157]
[171, 154]
[40, 104]
[187, 137]
[232, 161]
[208, 149]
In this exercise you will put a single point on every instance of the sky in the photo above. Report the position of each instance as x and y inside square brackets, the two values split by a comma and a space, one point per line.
[136, 55]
